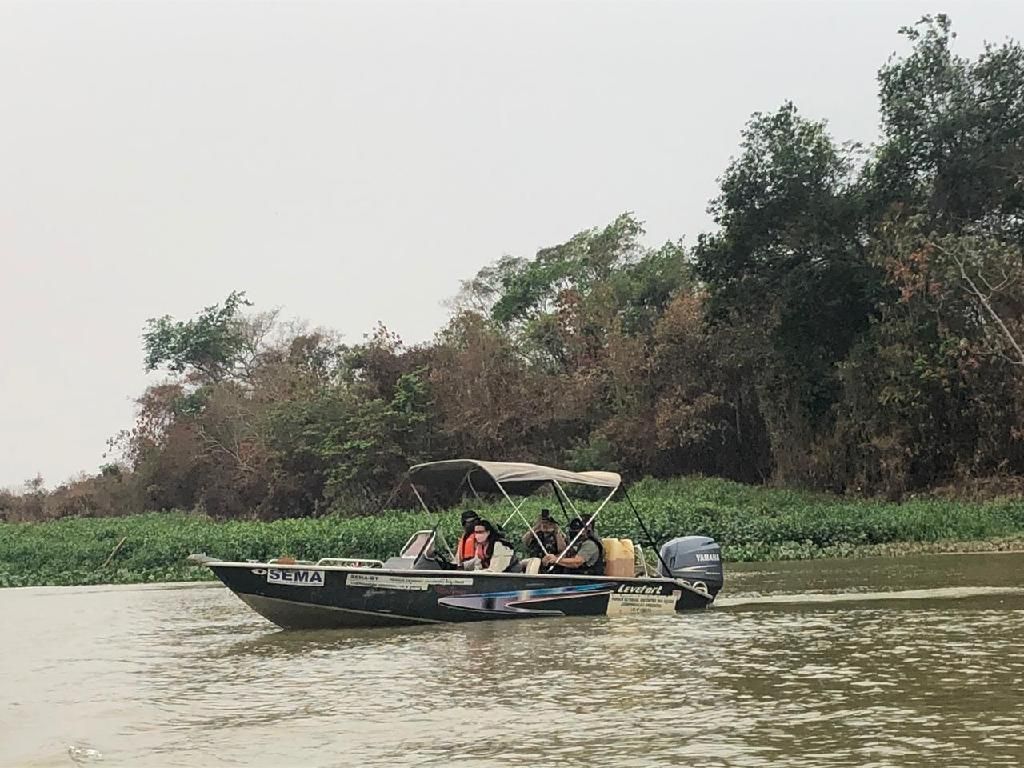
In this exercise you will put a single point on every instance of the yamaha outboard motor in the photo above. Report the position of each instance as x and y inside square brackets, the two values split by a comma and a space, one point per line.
[694, 559]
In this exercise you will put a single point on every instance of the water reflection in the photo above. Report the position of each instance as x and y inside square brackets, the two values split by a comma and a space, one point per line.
[863, 671]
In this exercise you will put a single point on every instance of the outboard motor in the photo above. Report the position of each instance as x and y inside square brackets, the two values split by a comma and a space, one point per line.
[696, 560]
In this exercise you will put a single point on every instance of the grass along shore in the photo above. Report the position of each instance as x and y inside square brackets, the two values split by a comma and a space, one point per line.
[751, 523]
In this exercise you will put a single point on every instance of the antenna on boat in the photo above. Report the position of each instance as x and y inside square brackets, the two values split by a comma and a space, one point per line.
[643, 527]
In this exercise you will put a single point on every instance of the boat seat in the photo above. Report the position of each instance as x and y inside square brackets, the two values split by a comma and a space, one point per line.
[531, 565]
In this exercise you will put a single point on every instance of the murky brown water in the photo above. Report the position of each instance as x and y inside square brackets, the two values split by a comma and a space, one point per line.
[916, 661]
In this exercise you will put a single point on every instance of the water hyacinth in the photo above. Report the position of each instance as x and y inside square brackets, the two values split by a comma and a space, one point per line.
[751, 523]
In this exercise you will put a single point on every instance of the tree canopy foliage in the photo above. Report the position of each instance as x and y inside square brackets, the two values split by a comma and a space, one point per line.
[855, 322]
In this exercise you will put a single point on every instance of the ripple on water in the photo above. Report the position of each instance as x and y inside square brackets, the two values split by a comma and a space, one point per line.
[186, 677]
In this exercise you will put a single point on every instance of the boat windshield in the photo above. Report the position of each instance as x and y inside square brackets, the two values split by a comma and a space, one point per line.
[421, 543]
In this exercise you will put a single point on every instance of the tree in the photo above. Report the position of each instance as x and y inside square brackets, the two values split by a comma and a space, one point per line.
[338, 451]
[953, 144]
[210, 347]
[932, 391]
[532, 288]
[787, 265]
[852, 323]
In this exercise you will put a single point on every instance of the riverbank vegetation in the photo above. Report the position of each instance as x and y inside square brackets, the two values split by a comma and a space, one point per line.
[753, 524]
[853, 325]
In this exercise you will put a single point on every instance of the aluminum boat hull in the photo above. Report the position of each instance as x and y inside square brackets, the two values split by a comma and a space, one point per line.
[324, 597]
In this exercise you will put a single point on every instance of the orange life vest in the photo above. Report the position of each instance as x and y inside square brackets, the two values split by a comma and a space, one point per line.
[467, 547]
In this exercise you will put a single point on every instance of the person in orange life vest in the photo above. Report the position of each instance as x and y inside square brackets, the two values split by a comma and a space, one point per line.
[490, 552]
[467, 545]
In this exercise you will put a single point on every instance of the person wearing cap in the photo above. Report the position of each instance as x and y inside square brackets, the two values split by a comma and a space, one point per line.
[467, 546]
[586, 556]
[545, 531]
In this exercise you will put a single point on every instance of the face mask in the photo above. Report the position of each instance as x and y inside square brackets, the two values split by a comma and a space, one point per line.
[481, 537]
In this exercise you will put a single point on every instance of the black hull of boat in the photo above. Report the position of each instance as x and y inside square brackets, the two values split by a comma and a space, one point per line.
[311, 597]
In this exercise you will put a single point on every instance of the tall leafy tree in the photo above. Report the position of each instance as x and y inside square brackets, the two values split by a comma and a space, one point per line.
[953, 128]
[210, 345]
[787, 272]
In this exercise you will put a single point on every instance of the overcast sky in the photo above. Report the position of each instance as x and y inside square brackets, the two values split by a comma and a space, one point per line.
[350, 162]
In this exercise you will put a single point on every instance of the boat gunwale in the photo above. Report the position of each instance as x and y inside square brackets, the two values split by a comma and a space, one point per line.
[412, 573]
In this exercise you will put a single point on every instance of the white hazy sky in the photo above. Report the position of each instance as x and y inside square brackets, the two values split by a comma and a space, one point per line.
[349, 162]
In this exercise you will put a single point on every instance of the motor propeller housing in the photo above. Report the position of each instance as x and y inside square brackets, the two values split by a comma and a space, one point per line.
[696, 560]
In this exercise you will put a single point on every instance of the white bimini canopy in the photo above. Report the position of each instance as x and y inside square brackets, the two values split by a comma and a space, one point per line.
[493, 476]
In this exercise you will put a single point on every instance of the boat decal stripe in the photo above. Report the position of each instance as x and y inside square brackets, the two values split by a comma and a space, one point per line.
[551, 591]
[384, 614]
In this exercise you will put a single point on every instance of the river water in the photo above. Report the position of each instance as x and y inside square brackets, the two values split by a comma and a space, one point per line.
[888, 662]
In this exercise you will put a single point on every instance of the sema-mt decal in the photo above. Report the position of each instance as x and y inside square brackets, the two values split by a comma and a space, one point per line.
[294, 577]
[405, 583]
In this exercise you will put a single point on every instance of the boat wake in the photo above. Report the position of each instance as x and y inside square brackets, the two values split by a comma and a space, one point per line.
[939, 593]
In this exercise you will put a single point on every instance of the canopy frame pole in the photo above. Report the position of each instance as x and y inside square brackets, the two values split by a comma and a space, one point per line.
[515, 511]
[469, 482]
[437, 523]
[571, 505]
[587, 524]
[420, 499]
[391, 496]
[558, 497]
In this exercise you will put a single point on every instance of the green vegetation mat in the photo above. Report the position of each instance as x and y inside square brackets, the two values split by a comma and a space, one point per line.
[751, 523]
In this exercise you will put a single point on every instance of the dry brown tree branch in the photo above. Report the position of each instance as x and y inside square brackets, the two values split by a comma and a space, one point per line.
[984, 301]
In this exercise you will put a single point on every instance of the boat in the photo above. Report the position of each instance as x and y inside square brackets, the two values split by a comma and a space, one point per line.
[420, 584]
